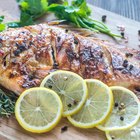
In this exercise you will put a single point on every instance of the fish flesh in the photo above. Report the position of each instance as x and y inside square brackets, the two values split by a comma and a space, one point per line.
[30, 53]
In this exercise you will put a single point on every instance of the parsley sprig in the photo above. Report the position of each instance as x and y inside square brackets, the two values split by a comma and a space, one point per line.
[78, 12]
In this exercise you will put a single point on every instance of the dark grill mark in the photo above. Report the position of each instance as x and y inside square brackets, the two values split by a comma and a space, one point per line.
[124, 71]
[55, 64]
[119, 68]
[4, 63]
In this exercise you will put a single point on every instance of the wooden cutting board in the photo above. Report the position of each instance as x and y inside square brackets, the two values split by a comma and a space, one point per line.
[10, 129]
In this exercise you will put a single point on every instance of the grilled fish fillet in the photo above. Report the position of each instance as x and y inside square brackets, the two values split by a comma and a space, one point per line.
[28, 54]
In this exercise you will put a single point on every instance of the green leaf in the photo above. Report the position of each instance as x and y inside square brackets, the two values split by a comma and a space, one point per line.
[55, 1]
[71, 9]
[2, 27]
[1, 18]
[84, 9]
[24, 5]
[25, 19]
[44, 4]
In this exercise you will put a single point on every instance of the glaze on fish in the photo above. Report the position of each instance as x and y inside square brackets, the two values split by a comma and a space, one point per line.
[28, 54]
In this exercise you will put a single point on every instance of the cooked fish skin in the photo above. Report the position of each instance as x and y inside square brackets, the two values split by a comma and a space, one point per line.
[30, 53]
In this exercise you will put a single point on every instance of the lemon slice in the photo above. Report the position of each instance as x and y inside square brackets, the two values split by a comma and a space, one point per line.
[130, 134]
[70, 87]
[96, 108]
[125, 112]
[38, 110]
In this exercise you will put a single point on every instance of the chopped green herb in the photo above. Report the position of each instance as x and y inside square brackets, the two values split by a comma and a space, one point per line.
[7, 103]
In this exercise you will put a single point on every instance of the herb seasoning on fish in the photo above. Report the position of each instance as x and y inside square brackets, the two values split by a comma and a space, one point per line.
[75, 41]
[17, 52]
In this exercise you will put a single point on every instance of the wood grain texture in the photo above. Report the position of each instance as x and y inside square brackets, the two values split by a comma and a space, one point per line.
[10, 129]
[127, 8]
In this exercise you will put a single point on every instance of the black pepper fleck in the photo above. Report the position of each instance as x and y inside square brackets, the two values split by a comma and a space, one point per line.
[131, 67]
[137, 89]
[139, 32]
[69, 105]
[58, 38]
[116, 104]
[122, 34]
[121, 118]
[101, 54]
[11, 75]
[22, 48]
[128, 54]
[64, 128]
[75, 41]
[104, 18]
[55, 65]
[125, 63]
[17, 52]
[66, 30]
[113, 137]
[50, 86]
[31, 77]
[75, 102]
[0, 39]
